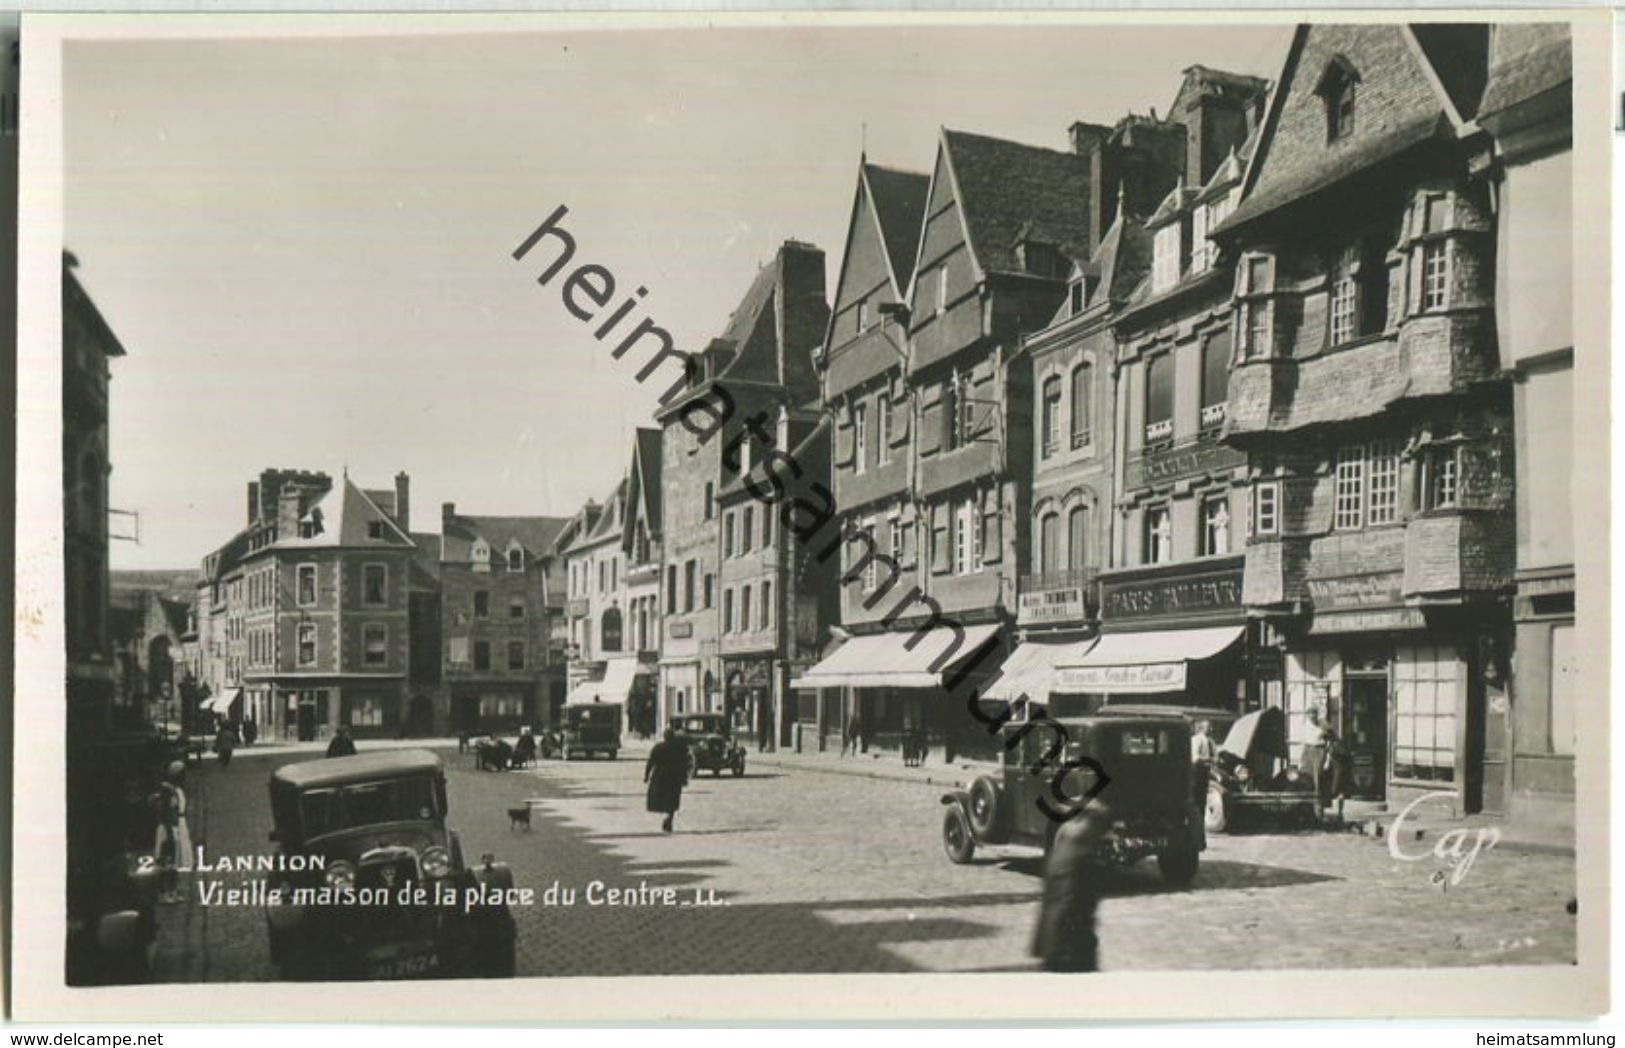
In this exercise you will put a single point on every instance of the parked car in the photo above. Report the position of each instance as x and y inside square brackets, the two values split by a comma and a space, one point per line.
[711, 744]
[1146, 760]
[373, 827]
[1248, 785]
[592, 727]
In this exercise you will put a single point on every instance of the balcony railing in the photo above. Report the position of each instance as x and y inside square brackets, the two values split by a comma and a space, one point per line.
[1213, 416]
[1060, 579]
[1080, 439]
[1159, 432]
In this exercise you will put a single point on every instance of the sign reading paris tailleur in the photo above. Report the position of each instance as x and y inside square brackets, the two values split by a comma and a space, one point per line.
[1176, 595]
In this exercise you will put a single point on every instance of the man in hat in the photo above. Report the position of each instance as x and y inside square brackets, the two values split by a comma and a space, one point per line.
[1065, 939]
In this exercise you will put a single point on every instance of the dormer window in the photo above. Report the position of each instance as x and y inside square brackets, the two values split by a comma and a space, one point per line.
[481, 556]
[1165, 258]
[516, 557]
[1075, 297]
[1041, 259]
[1336, 90]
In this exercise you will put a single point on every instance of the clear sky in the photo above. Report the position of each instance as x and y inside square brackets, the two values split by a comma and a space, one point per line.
[304, 244]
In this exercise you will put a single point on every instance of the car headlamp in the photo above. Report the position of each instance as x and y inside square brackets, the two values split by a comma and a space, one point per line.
[340, 875]
[436, 863]
[1243, 773]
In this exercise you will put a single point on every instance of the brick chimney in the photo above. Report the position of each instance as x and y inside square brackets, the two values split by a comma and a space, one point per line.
[253, 501]
[448, 510]
[403, 501]
[1219, 111]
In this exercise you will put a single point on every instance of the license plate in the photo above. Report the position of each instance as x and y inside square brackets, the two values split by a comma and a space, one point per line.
[404, 967]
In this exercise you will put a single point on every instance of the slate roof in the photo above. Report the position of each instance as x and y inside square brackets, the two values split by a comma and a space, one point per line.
[175, 614]
[426, 555]
[535, 534]
[1004, 186]
[643, 482]
[899, 199]
[1527, 60]
[804, 450]
[1122, 260]
[344, 514]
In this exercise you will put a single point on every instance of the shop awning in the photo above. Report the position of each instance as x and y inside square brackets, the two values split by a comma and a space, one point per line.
[615, 687]
[1031, 670]
[221, 703]
[1150, 661]
[884, 660]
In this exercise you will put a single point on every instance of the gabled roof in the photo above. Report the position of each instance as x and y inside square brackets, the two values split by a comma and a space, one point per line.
[897, 200]
[76, 298]
[228, 556]
[1122, 260]
[1527, 60]
[1007, 190]
[175, 614]
[812, 428]
[1419, 104]
[535, 535]
[643, 485]
[1178, 199]
[576, 526]
[426, 555]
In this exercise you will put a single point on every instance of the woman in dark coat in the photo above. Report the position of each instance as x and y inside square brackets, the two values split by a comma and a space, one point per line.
[666, 772]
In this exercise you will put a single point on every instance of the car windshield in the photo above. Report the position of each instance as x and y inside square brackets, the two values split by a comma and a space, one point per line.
[595, 715]
[698, 725]
[1145, 742]
[335, 808]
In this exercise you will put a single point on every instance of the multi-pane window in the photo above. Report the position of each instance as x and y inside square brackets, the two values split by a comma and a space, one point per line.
[967, 538]
[516, 560]
[1049, 541]
[1082, 391]
[860, 437]
[883, 409]
[375, 644]
[1052, 415]
[871, 566]
[1159, 399]
[1255, 311]
[1349, 495]
[1199, 242]
[1215, 537]
[1442, 477]
[482, 604]
[374, 583]
[1267, 508]
[307, 585]
[1215, 380]
[1345, 300]
[1382, 482]
[1077, 534]
[1435, 274]
[958, 410]
[1159, 536]
[1427, 681]
[307, 644]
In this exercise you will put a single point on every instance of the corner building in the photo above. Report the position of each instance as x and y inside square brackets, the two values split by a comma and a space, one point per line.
[1368, 395]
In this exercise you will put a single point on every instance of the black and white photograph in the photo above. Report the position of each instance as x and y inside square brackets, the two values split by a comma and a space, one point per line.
[919, 496]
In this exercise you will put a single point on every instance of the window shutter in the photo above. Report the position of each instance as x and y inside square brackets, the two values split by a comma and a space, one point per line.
[939, 538]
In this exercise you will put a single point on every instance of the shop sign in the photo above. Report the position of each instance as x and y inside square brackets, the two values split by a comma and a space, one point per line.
[1357, 591]
[1063, 604]
[1158, 467]
[682, 630]
[1179, 595]
[1154, 676]
[1546, 587]
[577, 608]
[1369, 621]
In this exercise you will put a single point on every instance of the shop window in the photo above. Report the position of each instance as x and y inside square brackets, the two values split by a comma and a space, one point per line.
[365, 711]
[1427, 685]
[501, 706]
[307, 585]
[375, 644]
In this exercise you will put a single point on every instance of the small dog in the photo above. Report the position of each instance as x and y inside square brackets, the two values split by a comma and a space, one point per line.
[518, 817]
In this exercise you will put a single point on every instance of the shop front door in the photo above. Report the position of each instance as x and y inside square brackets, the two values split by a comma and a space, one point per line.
[1365, 731]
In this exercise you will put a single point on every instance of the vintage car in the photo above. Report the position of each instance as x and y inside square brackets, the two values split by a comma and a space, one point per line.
[1051, 767]
[710, 743]
[369, 882]
[592, 727]
[1252, 781]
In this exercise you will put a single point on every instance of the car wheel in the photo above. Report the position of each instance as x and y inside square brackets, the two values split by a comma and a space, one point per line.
[983, 808]
[1178, 866]
[957, 841]
[1214, 819]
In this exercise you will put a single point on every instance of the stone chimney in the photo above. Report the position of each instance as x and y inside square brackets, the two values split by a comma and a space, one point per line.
[253, 501]
[448, 510]
[287, 514]
[1219, 111]
[403, 501]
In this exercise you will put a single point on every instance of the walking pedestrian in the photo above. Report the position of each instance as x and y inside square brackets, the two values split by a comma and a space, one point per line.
[251, 731]
[666, 773]
[849, 735]
[1204, 751]
[172, 846]
[1065, 939]
[341, 745]
[225, 743]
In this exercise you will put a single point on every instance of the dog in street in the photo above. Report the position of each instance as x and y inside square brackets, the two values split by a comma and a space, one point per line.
[518, 817]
